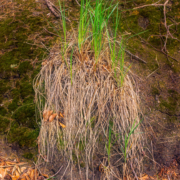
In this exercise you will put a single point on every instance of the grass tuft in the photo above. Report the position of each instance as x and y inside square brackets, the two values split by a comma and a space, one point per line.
[92, 94]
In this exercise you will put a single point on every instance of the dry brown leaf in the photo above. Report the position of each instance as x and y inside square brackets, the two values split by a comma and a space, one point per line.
[47, 114]
[44, 63]
[27, 177]
[45, 117]
[61, 115]
[9, 163]
[2, 173]
[22, 169]
[32, 174]
[15, 177]
[23, 178]
[45, 175]
[62, 125]
[17, 173]
[145, 177]
[51, 118]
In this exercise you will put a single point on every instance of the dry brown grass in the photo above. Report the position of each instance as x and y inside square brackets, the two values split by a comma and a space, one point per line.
[88, 104]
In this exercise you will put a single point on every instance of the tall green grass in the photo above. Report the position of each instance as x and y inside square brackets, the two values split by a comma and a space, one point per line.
[83, 23]
[126, 139]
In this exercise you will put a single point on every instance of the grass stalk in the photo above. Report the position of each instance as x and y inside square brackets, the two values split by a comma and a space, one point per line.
[126, 139]
[83, 23]
[108, 145]
[99, 19]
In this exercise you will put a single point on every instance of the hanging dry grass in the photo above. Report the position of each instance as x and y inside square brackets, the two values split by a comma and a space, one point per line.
[83, 100]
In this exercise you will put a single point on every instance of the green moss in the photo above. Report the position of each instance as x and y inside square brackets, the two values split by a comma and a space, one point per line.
[82, 164]
[155, 91]
[3, 111]
[28, 155]
[36, 71]
[171, 105]
[25, 115]
[24, 67]
[29, 99]
[14, 105]
[3, 86]
[1, 98]
[26, 89]
[15, 93]
[24, 136]
[4, 123]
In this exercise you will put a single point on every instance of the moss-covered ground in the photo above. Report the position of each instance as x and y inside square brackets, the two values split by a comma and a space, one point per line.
[22, 48]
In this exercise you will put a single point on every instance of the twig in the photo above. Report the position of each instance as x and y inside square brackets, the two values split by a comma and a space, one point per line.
[165, 53]
[50, 32]
[168, 33]
[134, 172]
[55, 173]
[154, 4]
[136, 57]
[19, 164]
[53, 9]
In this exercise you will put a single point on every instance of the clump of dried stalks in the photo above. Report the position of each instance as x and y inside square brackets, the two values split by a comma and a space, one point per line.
[89, 98]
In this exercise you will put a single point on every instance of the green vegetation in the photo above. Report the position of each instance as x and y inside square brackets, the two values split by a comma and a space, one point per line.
[18, 69]
[4, 124]
[170, 105]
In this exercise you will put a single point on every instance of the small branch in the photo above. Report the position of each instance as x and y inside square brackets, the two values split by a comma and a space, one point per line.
[55, 173]
[134, 172]
[54, 9]
[50, 32]
[147, 5]
[19, 164]
[136, 57]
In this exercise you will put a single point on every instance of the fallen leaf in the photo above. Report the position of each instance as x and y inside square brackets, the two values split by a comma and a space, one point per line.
[45, 175]
[2, 173]
[47, 114]
[23, 169]
[15, 177]
[51, 118]
[145, 177]
[62, 125]
[61, 115]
